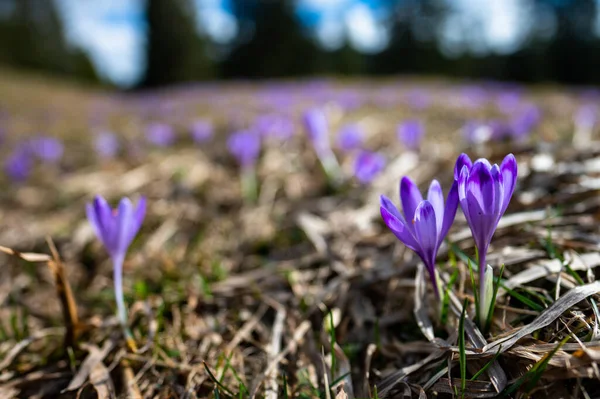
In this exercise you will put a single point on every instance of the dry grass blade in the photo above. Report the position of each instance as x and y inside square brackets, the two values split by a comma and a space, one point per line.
[420, 308]
[573, 296]
[545, 268]
[94, 357]
[101, 381]
[65, 295]
[296, 338]
[28, 256]
[272, 387]
[21, 345]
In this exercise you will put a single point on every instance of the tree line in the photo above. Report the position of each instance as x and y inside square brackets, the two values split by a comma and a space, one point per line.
[272, 42]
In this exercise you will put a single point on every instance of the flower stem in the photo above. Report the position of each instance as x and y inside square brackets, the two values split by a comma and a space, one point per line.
[249, 184]
[119, 298]
[482, 266]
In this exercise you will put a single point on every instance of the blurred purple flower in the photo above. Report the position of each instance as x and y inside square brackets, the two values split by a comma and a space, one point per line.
[368, 165]
[423, 224]
[524, 123]
[201, 131]
[48, 149]
[317, 128]
[410, 134]
[116, 229]
[484, 191]
[473, 96]
[18, 165]
[106, 144]
[508, 102]
[418, 99]
[350, 137]
[586, 116]
[245, 147]
[477, 132]
[160, 134]
[274, 126]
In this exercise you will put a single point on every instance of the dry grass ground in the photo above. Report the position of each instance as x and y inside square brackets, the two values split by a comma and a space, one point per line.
[230, 299]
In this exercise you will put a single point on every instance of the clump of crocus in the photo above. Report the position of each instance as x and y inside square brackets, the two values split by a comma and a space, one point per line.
[585, 119]
[410, 134]
[201, 131]
[368, 165]
[423, 223]
[47, 149]
[525, 122]
[160, 134]
[18, 165]
[245, 147]
[318, 132]
[106, 144]
[274, 126]
[484, 191]
[350, 137]
[116, 228]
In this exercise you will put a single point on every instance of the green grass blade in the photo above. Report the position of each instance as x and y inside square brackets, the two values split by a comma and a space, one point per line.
[488, 322]
[475, 294]
[332, 342]
[285, 387]
[523, 299]
[485, 367]
[462, 349]
[213, 378]
[535, 373]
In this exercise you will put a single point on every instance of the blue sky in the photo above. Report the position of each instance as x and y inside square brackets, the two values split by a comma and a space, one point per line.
[112, 31]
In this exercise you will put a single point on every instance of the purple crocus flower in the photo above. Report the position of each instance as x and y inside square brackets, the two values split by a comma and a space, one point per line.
[477, 132]
[48, 149]
[350, 137]
[201, 131]
[410, 134]
[318, 132]
[368, 165]
[160, 134]
[245, 147]
[106, 144]
[484, 191]
[423, 223]
[274, 126]
[18, 165]
[524, 123]
[586, 116]
[116, 228]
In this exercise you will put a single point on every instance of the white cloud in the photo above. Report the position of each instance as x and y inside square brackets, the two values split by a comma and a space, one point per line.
[213, 19]
[364, 31]
[505, 21]
[331, 33]
[107, 30]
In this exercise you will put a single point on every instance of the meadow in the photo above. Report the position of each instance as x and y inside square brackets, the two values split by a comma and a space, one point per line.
[260, 265]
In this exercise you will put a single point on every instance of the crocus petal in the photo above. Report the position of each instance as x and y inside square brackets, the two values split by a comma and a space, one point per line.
[436, 197]
[482, 224]
[125, 225]
[508, 168]
[426, 233]
[462, 193]
[463, 160]
[105, 220]
[481, 185]
[138, 218]
[96, 225]
[396, 224]
[449, 212]
[410, 196]
[498, 190]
